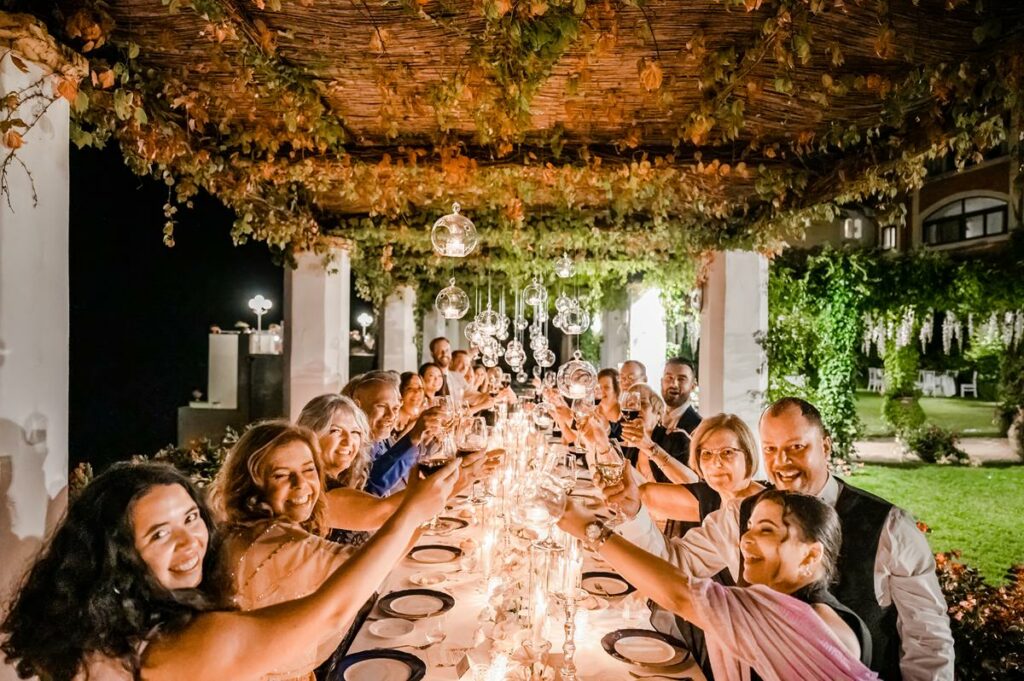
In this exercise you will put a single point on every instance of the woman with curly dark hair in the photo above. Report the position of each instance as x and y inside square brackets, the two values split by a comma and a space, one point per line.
[128, 587]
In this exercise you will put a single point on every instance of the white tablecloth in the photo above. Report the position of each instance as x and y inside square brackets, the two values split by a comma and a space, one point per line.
[592, 662]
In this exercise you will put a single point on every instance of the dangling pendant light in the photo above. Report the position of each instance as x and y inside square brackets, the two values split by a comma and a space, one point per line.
[452, 302]
[454, 235]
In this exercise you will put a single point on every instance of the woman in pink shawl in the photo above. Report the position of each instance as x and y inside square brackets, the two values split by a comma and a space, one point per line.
[785, 625]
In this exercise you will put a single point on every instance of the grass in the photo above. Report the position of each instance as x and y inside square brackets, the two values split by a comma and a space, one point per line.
[979, 511]
[969, 417]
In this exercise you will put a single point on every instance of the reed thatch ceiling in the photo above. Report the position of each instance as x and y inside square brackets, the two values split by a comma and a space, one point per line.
[726, 109]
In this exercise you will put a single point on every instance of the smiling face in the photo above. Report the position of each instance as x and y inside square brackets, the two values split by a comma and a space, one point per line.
[412, 398]
[774, 554]
[796, 452]
[432, 380]
[441, 351]
[340, 443]
[631, 374]
[170, 536]
[606, 388]
[290, 481]
[722, 462]
[677, 383]
[379, 401]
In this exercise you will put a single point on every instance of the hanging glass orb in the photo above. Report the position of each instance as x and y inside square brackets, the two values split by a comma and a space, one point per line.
[516, 357]
[538, 343]
[502, 333]
[490, 360]
[454, 235]
[575, 321]
[488, 322]
[514, 346]
[563, 302]
[470, 331]
[520, 323]
[521, 377]
[535, 294]
[489, 344]
[452, 302]
[565, 267]
[576, 378]
[545, 358]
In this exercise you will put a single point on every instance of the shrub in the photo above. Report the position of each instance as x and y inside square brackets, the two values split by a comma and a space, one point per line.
[904, 414]
[935, 444]
[987, 621]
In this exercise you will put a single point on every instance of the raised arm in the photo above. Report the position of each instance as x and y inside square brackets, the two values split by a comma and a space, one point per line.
[666, 500]
[352, 509]
[231, 645]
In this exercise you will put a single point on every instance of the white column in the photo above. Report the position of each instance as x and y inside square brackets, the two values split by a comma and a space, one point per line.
[398, 331]
[317, 300]
[733, 365]
[33, 334]
[647, 337]
[615, 338]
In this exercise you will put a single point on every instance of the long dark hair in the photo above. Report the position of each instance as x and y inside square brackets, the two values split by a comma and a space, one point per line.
[815, 520]
[90, 591]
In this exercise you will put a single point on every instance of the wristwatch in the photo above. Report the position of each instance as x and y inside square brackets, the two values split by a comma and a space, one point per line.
[595, 534]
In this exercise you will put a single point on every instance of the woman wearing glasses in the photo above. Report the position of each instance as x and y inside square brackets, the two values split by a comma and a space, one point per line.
[723, 454]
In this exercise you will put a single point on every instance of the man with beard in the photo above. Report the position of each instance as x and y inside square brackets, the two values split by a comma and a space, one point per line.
[673, 433]
[886, 571]
[441, 352]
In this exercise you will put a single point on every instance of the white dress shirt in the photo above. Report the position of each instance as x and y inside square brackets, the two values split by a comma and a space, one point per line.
[904, 575]
[671, 419]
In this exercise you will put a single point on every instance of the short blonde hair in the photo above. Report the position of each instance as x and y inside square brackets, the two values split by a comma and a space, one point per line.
[651, 397]
[238, 490]
[735, 425]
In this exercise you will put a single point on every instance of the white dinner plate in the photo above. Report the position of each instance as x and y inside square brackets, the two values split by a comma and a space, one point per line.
[435, 554]
[378, 669]
[418, 605]
[644, 650]
[391, 627]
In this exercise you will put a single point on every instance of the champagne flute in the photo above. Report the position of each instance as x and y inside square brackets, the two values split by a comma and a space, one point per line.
[611, 467]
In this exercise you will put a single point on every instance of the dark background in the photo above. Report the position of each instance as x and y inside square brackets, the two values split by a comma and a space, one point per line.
[141, 312]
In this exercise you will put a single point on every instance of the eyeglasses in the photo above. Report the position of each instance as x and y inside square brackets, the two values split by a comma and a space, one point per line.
[726, 455]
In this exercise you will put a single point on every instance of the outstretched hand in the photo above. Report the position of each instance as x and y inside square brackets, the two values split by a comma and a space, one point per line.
[426, 496]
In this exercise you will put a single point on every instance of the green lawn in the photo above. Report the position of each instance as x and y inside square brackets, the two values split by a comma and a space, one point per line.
[977, 510]
[969, 417]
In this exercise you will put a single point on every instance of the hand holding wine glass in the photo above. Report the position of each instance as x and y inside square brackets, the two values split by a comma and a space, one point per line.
[611, 469]
[629, 405]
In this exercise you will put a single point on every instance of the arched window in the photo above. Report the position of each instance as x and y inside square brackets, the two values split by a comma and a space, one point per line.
[964, 219]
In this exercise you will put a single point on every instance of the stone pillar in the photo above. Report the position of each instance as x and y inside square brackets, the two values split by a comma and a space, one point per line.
[397, 333]
[734, 317]
[615, 339]
[34, 331]
[434, 325]
[317, 300]
[647, 337]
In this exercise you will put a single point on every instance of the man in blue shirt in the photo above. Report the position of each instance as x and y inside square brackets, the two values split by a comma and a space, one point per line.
[377, 395]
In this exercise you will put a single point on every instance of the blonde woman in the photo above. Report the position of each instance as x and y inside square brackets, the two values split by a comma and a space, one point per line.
[270, 495]
[723, 453]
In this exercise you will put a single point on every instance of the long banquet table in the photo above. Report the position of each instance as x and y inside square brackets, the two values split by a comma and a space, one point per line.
[463, 623]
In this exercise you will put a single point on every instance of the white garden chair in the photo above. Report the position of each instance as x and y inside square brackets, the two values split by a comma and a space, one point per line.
[876, 382]
[971, 387]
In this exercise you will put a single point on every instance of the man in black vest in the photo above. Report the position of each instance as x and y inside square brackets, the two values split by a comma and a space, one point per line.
[886, 571]
[673, 433]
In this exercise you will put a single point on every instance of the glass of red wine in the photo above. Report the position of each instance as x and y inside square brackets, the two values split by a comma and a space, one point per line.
[629, 405]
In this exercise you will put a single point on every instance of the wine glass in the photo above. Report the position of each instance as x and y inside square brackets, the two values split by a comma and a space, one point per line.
[612, 467]
[565, 468]
[471, 434]
[435, 455]
[629, 405]
[539, 505]
[582, 408]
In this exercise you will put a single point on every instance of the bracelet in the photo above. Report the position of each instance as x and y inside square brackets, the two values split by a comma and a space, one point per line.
[606, 533]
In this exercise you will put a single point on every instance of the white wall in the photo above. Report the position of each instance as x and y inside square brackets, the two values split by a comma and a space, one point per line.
[398, 331]
[647, 335]
[33, 339]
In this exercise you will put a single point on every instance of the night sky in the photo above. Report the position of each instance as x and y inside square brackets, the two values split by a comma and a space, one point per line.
[140, 311]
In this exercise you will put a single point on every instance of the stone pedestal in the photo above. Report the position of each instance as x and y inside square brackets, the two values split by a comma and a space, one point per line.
[734, 317]
[317, 300]
[398, 331]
